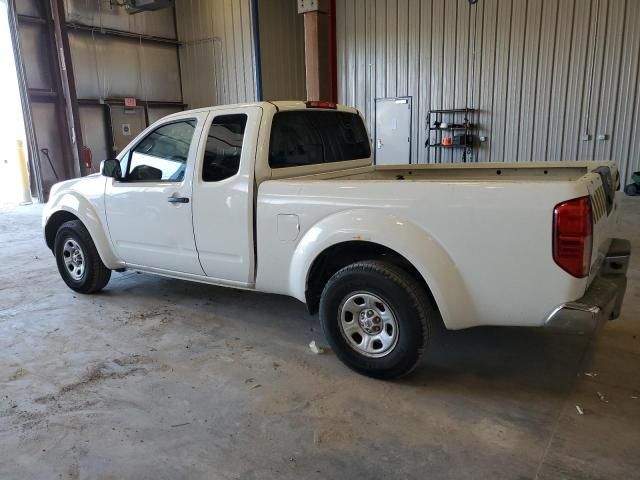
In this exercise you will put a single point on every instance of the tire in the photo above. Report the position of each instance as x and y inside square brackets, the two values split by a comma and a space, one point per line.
[78, 260]
[389, 342]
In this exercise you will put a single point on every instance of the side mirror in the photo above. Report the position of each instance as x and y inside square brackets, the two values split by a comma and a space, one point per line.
[111, 168]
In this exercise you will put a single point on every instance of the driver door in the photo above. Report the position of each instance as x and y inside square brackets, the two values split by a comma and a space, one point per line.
[149, 210]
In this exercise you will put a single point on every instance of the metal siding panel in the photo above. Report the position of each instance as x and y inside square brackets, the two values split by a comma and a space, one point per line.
[85, 67]
[437, 66]
[475, 65]
[230, 51]
[147, 72]
[157, 113]
[530, 74]
[392, 47]
[120, 74]
[545, 75]
[370, 64]
[560, 81]
[577, 81]
[381, 49]
[461, 79]
[341, 47]
[33, 40]
[159, 75]
[449, 65]
[217, 53]
[236, 41]
[281, 51]
[360, 74]
[246, 31]
[595, 51]
[487, 78]
[422, 105]
[605, 121]
[215, 13]
[629, 90]
[514, 79]
[351, 53]
[413, 79]
[532, 61]
[402, 45]
[500, 86]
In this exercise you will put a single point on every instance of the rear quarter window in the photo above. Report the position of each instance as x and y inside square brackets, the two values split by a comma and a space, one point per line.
[311, 137]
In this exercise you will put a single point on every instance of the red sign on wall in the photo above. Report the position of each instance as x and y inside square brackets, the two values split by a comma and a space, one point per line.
[130, 102]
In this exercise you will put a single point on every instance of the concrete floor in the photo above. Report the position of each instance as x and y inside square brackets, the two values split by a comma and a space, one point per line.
[157, 378]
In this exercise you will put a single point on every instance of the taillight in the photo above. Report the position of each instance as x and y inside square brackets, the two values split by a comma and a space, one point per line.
[321, 104]
[573, 236]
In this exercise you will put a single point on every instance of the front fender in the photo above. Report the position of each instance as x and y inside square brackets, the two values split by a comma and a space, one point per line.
[424, 252]
[75, 203]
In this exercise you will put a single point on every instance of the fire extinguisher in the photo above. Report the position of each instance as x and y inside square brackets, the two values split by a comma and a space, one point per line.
[87, 157]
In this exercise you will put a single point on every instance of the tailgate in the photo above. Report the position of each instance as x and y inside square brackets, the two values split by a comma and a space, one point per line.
[602, 185]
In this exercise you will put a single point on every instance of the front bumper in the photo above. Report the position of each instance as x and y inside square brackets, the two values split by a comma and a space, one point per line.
[603, 299]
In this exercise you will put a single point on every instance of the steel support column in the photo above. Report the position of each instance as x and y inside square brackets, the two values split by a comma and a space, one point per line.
[67, 83]
[316, 48]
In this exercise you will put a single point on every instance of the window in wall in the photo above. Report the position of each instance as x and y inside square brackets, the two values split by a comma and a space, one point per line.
[162, 155]
[308, 137]
[224, 147]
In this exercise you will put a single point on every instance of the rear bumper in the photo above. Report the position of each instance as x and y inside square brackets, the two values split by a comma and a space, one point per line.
[603, 299]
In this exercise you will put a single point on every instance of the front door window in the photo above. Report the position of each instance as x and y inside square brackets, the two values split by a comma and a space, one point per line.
[162, 155]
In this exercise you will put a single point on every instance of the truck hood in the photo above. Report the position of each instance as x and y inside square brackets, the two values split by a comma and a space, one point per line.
[95, 180]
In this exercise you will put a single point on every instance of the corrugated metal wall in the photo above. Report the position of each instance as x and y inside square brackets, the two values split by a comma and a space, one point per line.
[107, 67]
[114, 67]
[216, 55]
[530, 78]
[282, 50]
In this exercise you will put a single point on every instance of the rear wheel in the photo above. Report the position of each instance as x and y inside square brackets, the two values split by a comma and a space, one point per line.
[78, 260]
[377, 318]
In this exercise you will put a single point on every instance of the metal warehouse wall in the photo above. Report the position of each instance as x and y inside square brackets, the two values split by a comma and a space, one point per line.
[100, 13]
[216, 54]
[282, 50]
[44, 113]
[533, 66]
[116, 67]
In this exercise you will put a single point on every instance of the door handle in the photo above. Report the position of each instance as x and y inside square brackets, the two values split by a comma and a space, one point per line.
[379, 144]
[178, 200]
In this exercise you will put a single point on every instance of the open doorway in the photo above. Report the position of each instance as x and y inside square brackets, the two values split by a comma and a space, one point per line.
[14, 179]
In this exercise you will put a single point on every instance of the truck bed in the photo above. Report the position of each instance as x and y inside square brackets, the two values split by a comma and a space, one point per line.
[485, 221]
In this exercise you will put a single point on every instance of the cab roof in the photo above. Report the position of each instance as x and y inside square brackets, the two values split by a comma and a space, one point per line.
[278, 104]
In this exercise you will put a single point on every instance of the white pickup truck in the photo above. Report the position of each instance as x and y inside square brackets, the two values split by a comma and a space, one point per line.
[283, 197]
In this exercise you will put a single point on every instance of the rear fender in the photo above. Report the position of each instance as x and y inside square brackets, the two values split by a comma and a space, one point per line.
[417, 246]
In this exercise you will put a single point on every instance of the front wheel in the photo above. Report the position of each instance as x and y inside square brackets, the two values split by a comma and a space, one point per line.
[377, 318]
[78, 261]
